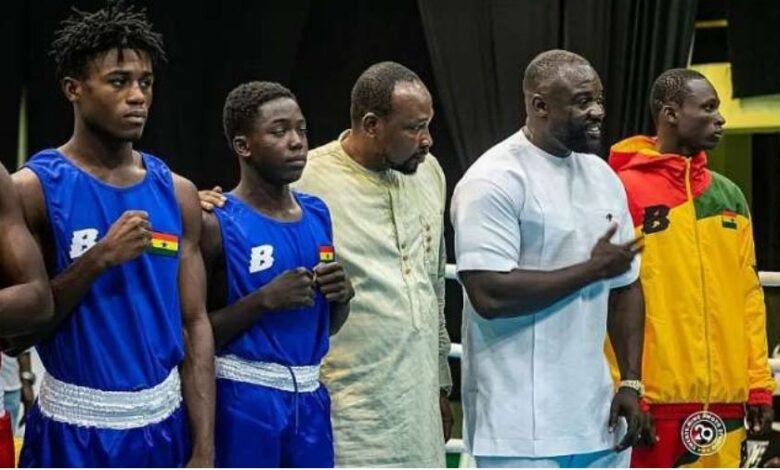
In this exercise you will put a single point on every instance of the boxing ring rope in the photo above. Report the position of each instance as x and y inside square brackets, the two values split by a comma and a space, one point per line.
[455, 446]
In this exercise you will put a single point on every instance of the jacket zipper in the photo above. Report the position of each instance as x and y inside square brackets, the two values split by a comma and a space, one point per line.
[689, 192]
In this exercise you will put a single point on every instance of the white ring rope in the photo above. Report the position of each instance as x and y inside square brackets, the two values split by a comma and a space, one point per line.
[768, 279]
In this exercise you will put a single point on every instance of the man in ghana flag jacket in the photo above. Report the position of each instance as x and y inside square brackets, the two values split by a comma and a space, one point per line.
[705, 330]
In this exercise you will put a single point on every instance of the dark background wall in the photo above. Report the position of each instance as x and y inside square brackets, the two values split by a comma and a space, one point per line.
[470, 53]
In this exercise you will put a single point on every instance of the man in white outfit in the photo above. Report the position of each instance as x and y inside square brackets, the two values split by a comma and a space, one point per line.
[546, 253]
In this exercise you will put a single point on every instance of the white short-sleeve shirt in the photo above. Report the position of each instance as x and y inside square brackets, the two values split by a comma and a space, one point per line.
[538, 385]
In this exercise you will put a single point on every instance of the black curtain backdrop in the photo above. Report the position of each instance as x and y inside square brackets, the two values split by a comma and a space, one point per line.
[49, 116]
[629, 44]
[480, 48]
[470, 53]
[12, 42]
[766, 220]
[212, 47]
[753, 38]
[766, 200]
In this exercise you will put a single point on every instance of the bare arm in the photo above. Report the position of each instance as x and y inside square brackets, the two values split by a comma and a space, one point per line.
[339, 312]
[334, 283]
[25, 363]
[28, 383]
[522, 292]
[197, 370]
[291, 289]
[25, 299]
[626, 328]
[126, 239]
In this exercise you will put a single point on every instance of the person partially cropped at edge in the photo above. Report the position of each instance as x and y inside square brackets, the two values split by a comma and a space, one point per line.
[705, 333]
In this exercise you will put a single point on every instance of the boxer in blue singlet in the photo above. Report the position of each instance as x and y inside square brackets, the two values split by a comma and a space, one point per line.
[276, 292]
[120, 235]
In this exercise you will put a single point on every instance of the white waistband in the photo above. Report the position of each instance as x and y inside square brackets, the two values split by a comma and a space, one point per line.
[268, 374]
[83, 406]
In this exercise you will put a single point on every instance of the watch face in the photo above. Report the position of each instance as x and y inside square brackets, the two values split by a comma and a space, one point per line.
[634, 385]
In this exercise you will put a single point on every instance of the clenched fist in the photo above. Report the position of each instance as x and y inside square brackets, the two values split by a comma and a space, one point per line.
[127, 238]
[333, 282]
[291, 289]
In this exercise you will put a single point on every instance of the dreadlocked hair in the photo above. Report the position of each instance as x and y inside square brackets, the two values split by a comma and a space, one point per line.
[84, 35]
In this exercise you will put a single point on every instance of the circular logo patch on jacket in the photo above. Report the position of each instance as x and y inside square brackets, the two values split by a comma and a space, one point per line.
[703, 433]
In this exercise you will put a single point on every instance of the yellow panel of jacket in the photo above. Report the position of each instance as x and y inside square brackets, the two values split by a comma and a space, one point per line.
[705, 326]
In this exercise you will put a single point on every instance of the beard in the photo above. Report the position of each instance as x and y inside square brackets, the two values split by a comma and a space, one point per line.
[577, 139]
[409, 167]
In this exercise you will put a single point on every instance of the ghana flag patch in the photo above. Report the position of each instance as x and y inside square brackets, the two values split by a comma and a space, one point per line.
[728, 219]
[327, 254]
[163, 244]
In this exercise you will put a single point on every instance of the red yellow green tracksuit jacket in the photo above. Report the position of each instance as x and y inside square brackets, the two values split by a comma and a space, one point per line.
[705, 326]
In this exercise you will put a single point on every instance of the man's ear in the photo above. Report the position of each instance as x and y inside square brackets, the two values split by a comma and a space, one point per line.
[538, 105]
[370, 124]
[72, 88]
[670, 113]
[241, 146]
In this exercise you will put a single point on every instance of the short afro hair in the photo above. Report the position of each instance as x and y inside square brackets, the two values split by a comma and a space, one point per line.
[548, 64]
[373, 90]
[242, 106]
[84, 35]
[671, 87]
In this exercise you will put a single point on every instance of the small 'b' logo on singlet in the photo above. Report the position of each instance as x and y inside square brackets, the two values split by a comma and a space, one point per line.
[261, 259]
[82, 241]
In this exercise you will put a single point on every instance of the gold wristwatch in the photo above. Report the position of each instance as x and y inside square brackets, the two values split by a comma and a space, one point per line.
[635, 385]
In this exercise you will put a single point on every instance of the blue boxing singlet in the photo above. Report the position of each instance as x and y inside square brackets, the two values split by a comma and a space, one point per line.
[271, 409]
[111, 396]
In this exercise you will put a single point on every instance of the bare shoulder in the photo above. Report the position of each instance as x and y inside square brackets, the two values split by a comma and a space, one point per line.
[30, 196]
[7, 194]
[183, 185]
[186, 194]
[210, 236]
[27, 183]
[210, 221]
